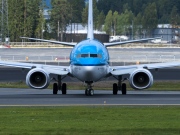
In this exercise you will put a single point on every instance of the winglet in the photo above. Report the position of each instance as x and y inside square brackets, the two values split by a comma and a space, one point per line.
[90, 34]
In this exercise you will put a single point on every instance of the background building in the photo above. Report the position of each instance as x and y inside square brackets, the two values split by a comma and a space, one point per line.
[168, 33]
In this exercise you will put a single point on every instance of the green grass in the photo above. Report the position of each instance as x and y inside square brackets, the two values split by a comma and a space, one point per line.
[105, 85]
[92, 120]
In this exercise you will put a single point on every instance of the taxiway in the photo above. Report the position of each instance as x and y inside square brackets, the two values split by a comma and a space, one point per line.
[31, 97]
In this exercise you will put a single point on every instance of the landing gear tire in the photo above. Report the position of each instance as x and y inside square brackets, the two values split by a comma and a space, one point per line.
[55, 88]
[124, 91]
[64, 88]
[115, 89]
[89, 92]
[86, 92]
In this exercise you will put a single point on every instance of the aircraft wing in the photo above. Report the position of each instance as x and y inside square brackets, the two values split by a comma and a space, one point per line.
[122, 70]
[130, 41]
[51, 41]
[59, 70]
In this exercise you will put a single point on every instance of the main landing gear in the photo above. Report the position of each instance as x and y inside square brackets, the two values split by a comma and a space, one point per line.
[119, 87]
[89, 91]
[59, 86]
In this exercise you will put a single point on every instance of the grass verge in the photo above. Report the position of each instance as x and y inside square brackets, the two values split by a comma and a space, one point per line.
[93, 120]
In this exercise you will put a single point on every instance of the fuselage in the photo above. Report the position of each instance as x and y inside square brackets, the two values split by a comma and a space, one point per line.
[89, 61]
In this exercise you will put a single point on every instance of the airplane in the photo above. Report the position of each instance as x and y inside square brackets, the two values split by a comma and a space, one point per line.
[89, 63]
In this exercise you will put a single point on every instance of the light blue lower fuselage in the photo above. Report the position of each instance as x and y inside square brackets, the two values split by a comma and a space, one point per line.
[89, 61]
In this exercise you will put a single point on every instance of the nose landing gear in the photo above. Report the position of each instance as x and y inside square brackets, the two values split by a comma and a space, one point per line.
[89, 91]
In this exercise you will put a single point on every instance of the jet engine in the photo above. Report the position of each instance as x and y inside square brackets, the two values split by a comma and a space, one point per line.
[38, 78]
[141, 79]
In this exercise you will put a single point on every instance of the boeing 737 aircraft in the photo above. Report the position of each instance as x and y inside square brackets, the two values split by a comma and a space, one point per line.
[89, 63]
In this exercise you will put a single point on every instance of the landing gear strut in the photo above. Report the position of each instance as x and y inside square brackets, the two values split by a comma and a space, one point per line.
[59, 86]
[119, 86]
[89, 91]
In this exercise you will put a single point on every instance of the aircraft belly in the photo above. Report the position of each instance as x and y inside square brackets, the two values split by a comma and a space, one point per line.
[89, 73]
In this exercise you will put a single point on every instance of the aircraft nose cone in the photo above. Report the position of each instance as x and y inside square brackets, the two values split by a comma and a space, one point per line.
[89, 73]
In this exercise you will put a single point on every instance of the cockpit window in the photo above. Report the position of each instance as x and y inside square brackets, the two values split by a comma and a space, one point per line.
[84, 55]
[94, 55]
[89, 56]
[99, 56]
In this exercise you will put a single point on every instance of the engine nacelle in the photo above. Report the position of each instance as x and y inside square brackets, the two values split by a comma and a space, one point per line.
[141, 79]
[38, 78]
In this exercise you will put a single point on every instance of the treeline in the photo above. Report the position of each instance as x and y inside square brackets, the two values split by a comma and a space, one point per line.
[25, 18]
[142, 15]
[117, 16]
[163, 7]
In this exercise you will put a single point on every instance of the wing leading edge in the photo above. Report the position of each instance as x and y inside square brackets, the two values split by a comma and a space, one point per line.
[122, 70]
[59, 70]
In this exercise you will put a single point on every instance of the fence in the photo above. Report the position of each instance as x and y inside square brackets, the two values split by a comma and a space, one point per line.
[124, 60]
[132, 45]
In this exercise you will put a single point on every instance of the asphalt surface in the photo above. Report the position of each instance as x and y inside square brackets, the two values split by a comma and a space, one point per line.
[31, 97]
